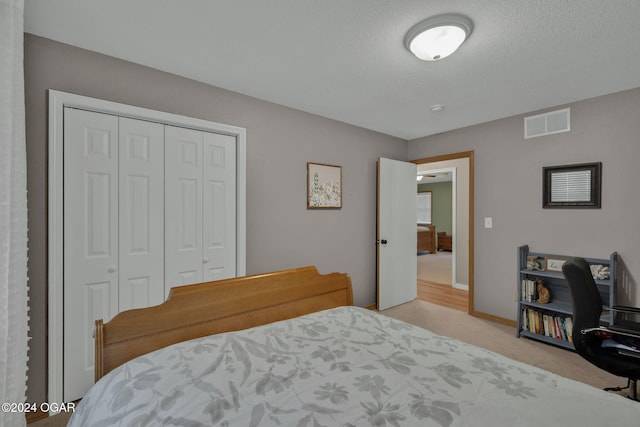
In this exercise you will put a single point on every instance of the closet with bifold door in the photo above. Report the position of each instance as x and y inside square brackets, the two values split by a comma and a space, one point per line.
[199, 195]
[147, 206]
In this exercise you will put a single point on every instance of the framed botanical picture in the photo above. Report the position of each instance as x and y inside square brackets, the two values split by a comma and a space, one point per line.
[554, 263]
[324, 186]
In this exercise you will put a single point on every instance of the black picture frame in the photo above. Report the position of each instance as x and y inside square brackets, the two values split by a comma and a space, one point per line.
[585, 173]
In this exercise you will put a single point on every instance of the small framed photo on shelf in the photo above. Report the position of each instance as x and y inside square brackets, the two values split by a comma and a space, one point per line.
[534, 263]
[324, 186]
[554, 263]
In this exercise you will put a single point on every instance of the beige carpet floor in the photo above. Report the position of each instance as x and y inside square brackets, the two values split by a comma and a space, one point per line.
[435, 268]
[501, 339]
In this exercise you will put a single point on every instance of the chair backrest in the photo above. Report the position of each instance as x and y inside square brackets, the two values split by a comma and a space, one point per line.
[586, 300]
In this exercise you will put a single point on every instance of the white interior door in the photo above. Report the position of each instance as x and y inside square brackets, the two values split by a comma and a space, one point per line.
[219, 207]
[397, 235]
[141, 214]
[183, 210]
[91, 239]
[200, 213]
[103, 175]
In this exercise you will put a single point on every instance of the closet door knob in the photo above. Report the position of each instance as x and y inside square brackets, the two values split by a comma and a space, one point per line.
[112, 269]
[205, 260]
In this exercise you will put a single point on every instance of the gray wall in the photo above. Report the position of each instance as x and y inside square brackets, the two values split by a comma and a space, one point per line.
[508, 187]
[441, 207]
[281, 232]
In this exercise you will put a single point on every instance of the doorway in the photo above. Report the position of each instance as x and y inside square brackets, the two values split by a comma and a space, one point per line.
[445, 277]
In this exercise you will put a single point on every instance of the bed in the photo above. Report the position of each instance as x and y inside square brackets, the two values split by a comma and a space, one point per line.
[335, 365]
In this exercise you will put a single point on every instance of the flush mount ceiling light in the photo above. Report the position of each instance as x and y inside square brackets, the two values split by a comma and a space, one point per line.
[438, 37]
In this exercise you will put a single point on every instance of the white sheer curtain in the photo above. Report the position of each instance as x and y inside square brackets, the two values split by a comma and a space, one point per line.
[13, 213]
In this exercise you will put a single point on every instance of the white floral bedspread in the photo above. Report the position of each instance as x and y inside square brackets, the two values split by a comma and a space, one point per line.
[341, 367]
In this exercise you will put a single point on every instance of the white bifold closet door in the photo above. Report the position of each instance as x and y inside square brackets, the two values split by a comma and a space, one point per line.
[141, 220]
[147, 206]
[113, 229]
[200, 211]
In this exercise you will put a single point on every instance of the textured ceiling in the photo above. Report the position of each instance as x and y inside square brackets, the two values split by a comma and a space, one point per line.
[345, 59]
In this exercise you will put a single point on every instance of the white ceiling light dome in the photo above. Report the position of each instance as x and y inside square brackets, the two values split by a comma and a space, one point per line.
[438, 37]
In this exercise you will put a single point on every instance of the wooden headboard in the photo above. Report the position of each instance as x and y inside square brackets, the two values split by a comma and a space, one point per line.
[209, 308]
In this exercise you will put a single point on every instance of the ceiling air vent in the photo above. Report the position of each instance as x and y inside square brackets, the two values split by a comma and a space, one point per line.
[547, 123]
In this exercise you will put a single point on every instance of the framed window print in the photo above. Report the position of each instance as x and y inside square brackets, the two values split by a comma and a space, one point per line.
[572, 186]
[324, 186]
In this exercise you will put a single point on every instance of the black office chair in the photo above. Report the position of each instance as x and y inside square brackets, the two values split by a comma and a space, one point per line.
[588, 334]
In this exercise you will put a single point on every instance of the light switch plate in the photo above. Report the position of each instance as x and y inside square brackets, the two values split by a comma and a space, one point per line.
[488, 222]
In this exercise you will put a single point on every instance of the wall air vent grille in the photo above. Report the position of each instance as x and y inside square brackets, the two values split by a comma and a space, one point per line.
[547, 123]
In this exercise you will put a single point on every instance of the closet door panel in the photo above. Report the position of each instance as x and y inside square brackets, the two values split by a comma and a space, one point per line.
[90, 239]
[183, 207]
[219, 207]
[141, 192]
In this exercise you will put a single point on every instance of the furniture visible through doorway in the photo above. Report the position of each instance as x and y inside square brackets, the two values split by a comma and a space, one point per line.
[444, 242]
[427, 238]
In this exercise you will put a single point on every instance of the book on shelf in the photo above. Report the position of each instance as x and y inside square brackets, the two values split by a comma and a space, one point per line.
[550, 325]
[528, 290]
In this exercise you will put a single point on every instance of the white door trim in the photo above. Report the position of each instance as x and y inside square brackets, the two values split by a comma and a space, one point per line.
[57, 101]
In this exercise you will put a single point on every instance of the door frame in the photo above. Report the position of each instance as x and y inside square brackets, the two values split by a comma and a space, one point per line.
[57, 102]
[455, 156]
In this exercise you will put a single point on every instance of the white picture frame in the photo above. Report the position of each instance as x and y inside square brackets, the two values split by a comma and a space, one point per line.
[324, 186]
